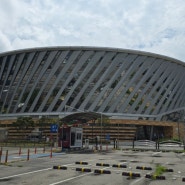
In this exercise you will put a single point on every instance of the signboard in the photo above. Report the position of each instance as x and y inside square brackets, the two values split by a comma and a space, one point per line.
[108, 137]
[54, 128]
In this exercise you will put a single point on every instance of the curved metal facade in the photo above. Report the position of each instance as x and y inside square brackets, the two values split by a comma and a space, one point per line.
[106, 80]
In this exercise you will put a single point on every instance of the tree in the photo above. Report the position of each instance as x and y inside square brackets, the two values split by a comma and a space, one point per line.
[23, 123]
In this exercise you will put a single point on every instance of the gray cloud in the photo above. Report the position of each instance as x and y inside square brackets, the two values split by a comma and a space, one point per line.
[153, 26]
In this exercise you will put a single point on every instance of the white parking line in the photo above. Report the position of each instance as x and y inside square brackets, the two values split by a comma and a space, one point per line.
[25, 173]
[136, 181]
[71, 178]
[21, 174]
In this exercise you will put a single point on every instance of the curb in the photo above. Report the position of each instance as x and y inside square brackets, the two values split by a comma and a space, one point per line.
[143, 168]
[102, 171]
[83, 169]
[81, 162]
[155, 177]
[119, 165]
[102, 164]
[60, 167]
[131, 174]
[169, 170]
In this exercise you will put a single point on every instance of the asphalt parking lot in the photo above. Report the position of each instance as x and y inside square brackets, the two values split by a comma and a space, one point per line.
[113, 167]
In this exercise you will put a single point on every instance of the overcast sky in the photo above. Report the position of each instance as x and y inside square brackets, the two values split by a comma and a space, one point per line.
[156, 26]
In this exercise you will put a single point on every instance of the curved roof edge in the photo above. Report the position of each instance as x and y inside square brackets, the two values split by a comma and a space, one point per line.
[139, 52]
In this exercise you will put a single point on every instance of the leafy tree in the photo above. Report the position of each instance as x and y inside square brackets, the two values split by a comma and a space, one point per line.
[23, 123]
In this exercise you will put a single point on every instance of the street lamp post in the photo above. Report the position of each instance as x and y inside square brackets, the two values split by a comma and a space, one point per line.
[101, 128]
[184, 129]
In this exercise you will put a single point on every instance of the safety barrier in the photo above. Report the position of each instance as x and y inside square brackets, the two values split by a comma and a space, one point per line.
[102, 164]
[119, 165]
[143, 168]
[60, 167]
[131, 174]
[26, 153]
[20, 152]
[149, 176]
[97, 171]
[144, 143]
[83, 169]
[81, 162]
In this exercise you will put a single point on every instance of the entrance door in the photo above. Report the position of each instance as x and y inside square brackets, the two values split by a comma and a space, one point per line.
[66, 137]
[72, 138]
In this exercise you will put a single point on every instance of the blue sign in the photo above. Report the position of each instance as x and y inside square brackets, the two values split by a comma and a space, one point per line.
[108, 137]
[54, 128]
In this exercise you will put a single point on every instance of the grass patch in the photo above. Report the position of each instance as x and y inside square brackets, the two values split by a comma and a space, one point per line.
[159, 171]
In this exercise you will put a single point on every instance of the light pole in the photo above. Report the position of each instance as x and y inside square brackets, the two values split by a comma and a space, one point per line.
[184, 128]
[101, 128]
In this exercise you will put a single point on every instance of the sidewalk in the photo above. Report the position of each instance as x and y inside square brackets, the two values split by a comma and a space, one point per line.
[10, 154]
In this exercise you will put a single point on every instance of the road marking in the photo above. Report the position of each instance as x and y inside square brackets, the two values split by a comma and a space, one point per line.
[136, 181]
[25, 173]
[71, 178]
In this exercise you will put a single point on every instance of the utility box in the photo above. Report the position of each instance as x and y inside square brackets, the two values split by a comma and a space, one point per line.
[35, 135]
[86, 143]
[3, 134]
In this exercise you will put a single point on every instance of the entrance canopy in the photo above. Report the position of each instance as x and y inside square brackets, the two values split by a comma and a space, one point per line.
[83, 117]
